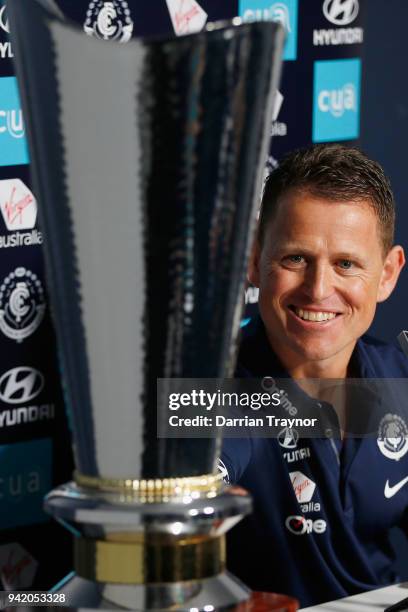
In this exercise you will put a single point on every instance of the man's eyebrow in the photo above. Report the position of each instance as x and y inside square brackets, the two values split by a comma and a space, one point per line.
[293, 247]
[300, 249]
[350, 255]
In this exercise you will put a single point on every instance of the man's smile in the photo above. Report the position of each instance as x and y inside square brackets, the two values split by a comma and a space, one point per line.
[313, 319]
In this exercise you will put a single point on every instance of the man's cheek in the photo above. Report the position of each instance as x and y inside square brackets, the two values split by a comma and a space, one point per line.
[282, 284]
[362, 304]
[271, 289]
[274, 277]
[361, 294]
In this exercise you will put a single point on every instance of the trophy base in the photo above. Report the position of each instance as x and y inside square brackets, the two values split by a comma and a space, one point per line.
[130, 555]
[222, 592]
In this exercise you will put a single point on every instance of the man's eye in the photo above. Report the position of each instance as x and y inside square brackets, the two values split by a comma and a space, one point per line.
[345, 264]
[294, 260]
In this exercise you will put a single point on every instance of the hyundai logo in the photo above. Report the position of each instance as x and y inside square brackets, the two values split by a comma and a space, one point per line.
[4, 24]
[20, 385]
[340, 12]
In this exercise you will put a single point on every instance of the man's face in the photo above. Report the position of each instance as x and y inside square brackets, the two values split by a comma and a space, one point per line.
[320, 271]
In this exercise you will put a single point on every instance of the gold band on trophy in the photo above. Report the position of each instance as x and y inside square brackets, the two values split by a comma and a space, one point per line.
[140, 561]
[157, 489]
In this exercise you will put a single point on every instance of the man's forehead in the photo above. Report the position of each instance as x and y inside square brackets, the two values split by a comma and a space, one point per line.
[302, 208]
[305, 197]
[305, 218]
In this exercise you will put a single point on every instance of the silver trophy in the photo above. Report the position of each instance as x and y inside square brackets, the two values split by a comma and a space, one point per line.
[148, 160]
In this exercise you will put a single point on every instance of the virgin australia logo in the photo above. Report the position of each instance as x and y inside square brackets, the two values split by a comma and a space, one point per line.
[109, 20]
[187, 16]
[19, 210]
[17, 567]
[17, 204]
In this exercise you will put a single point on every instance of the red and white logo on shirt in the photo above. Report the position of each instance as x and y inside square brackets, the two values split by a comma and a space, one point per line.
[303, 486]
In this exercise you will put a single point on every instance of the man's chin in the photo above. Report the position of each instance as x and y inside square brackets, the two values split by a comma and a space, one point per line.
[317, 352]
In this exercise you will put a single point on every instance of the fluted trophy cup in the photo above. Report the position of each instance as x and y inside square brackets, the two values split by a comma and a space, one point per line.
[148, 160]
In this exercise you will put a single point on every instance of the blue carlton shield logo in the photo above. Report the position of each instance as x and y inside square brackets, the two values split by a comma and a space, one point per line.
[25, 477]
[336, 100]
[285, 11]
[13, 144]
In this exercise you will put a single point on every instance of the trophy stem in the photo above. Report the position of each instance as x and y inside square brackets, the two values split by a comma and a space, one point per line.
[136, 554]
[132, 558]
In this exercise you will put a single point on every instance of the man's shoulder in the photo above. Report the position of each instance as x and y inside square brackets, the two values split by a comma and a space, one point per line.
[380, 359]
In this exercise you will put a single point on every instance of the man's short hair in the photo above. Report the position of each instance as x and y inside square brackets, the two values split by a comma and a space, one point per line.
[335, 172]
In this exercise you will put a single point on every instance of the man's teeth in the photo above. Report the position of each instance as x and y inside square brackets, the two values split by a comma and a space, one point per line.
[309, 315]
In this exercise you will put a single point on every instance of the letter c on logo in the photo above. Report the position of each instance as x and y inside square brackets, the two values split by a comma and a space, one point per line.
[324, 97]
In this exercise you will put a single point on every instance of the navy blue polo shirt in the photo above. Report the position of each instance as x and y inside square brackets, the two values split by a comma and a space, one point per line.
[323, 507]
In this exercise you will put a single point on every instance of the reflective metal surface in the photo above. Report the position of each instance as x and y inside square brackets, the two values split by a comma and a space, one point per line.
[215, 593]
[148, 159]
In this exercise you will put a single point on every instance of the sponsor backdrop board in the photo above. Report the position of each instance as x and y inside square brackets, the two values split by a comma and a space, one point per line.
[319, 101]
[34, 439]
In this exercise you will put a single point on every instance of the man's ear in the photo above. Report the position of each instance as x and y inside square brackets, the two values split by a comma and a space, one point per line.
[393, 264]
[253, 265]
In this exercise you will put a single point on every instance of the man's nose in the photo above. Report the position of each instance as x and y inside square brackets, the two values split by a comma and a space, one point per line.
[318, 282]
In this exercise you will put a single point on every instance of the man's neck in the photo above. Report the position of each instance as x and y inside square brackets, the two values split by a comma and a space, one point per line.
[311, 375]
[318, 369]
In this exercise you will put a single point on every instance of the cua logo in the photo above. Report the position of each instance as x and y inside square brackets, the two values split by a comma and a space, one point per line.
[11, 121]
[13, 145]
[275, 12]
[338, 101]
[280, 13]
[284, 12]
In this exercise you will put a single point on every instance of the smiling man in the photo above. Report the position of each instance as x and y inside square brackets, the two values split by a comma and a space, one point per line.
[324, 257]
